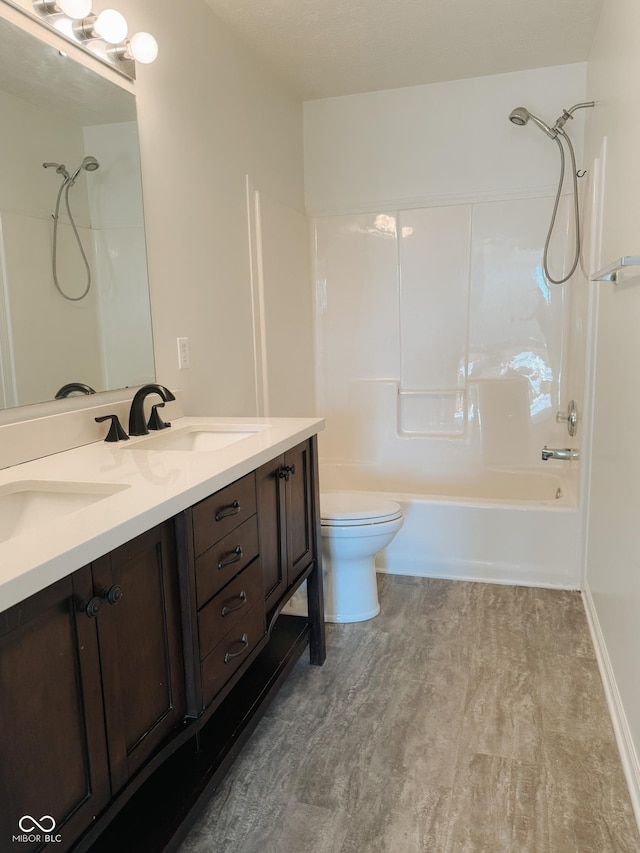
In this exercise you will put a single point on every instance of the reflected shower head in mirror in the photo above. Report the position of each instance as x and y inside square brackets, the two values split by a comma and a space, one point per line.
[522, 116]
[60, 168]
[89, 164]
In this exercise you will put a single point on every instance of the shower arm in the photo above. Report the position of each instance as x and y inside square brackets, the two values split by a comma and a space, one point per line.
[567, 114]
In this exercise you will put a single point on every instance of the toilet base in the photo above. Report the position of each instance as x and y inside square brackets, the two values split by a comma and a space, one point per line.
[358, 608]
[352, 617]
[350, 592]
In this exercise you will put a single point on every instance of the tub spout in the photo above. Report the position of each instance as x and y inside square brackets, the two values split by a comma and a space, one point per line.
[566, 453]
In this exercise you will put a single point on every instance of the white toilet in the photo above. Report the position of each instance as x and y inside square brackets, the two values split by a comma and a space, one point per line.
[355, 527]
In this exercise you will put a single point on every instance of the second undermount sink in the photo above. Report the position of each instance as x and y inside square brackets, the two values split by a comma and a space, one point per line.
[26, 504]
[197, 437]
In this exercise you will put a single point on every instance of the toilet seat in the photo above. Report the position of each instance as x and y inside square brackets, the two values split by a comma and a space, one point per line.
[351, 509]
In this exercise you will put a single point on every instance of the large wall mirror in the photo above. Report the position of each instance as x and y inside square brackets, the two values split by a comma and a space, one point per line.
[74, 297]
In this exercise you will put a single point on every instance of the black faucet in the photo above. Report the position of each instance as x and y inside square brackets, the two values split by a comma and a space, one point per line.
[137, 422]
[74, 388]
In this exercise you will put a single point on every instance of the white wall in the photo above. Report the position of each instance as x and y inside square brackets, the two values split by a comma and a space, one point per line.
[436, 143]
[210, 113]
[613, 544]
[440, 344]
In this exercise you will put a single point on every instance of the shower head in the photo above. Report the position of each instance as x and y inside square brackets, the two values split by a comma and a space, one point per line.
[89, 164]
[521, 116]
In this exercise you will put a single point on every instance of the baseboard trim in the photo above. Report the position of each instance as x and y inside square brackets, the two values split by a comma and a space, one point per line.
[626, 747]
[479, 573]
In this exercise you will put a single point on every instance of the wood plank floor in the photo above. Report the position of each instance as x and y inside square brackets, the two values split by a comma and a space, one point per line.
[465, 718]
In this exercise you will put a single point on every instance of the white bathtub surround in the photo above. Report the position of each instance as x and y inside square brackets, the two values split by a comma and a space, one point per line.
[437, 326]
[497, 526]
[442, 353]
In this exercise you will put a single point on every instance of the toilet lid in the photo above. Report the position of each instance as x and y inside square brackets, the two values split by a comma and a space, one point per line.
[344, 508]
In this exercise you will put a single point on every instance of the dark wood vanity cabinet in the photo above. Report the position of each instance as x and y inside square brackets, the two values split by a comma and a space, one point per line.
[135, 680]
[92, 680]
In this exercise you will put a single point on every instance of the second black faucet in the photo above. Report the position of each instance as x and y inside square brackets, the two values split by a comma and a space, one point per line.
[137, 420]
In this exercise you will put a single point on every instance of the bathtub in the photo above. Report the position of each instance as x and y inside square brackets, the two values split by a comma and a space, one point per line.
[499, 526]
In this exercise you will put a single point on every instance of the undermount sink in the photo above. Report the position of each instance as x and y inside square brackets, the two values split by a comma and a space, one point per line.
[197, 437]
[27, 504]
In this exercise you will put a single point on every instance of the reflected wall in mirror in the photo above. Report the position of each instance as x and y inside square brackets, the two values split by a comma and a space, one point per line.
[57, 111]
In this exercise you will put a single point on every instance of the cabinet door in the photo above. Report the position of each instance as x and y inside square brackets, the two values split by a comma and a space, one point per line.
[140, 648]
[271, 529]
[284, 490]
[52, 742]
[298, 509]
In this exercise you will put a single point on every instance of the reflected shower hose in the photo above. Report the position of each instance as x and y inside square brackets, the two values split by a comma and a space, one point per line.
[545, 257]
[66, 186]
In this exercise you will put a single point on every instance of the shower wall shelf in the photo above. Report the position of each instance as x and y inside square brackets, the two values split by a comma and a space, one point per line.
[613, 271]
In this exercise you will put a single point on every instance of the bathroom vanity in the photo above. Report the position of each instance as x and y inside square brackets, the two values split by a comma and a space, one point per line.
[151, 640]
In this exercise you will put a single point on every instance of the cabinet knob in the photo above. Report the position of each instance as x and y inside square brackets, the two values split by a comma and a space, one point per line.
[286, 471]
[112, 595]
[92, 607]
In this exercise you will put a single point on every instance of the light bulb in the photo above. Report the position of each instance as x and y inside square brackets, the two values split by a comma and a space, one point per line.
[76, 9]
[111, 26]
[143, 47]
[64, 26]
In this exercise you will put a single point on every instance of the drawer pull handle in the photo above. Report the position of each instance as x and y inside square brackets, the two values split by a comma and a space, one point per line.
[226, 511]
[243, 600]
[232, 557]
[230, 656]
[286, 471]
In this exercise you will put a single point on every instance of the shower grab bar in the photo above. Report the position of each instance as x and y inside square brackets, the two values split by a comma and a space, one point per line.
[612, 271]
[437, 392]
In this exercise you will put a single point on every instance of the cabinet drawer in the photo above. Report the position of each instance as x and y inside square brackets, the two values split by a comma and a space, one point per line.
[229, 607]
[232, 651]
[225, 560]
[218, 515]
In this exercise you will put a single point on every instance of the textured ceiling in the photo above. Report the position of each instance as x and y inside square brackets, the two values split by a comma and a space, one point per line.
[324, 48]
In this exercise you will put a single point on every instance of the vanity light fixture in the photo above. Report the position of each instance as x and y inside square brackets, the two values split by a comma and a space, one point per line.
[75, 9]
[141, 46]
[104, 33]
[109, 25]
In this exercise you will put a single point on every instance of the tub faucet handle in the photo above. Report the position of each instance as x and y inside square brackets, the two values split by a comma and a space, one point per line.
[570, 417]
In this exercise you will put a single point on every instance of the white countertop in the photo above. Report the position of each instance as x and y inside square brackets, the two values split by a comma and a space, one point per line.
[158, 485]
